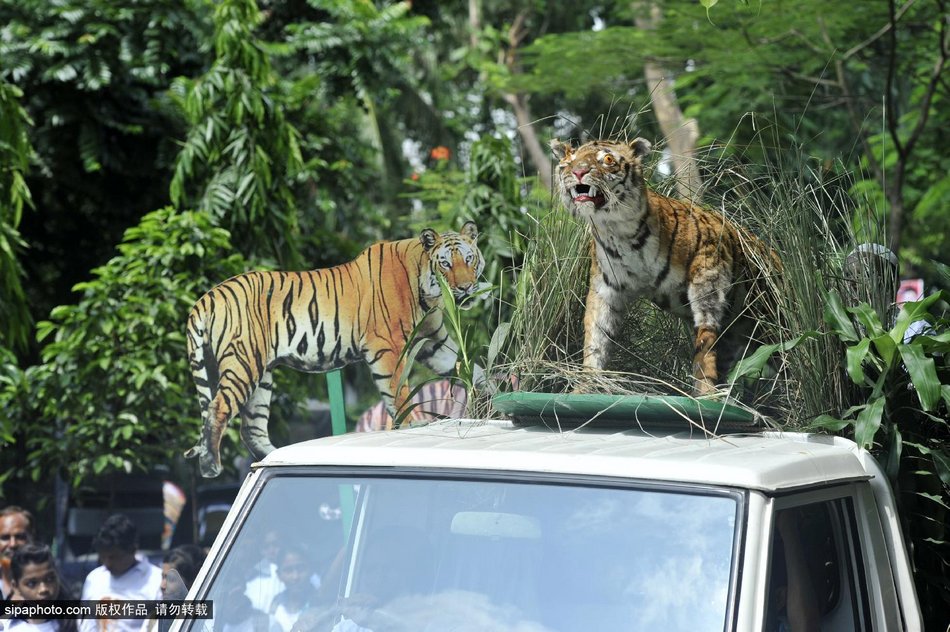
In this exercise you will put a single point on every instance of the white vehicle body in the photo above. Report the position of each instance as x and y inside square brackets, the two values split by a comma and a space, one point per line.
[833, 486]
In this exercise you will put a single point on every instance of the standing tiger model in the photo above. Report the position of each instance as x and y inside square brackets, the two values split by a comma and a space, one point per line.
[320, 320]
[688, 260]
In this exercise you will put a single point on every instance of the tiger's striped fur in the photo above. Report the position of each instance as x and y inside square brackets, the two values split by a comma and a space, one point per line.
[688, 260]
[320, 320]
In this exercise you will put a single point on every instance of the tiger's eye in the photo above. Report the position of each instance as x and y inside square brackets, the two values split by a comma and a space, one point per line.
[608, 159]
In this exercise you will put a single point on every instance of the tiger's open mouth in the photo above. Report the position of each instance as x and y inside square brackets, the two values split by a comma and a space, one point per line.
[586, 193]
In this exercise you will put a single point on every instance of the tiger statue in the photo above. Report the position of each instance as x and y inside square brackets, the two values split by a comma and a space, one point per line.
[320, 320]
[688, 260]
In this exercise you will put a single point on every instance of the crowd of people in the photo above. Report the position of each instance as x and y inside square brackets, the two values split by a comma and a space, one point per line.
[28, 572]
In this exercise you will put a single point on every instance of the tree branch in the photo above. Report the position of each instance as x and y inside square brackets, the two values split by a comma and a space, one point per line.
[517, 33]
[857, 122]
[889, 101]
[935, 76]
[884, 29]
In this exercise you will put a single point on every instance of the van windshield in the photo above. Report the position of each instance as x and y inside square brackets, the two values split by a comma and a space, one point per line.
[414, 554]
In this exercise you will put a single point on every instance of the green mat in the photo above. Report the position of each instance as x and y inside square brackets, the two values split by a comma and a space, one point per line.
[622, 410]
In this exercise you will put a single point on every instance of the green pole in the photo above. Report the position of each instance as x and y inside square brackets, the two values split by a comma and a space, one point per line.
[335, 389]
[338, 423]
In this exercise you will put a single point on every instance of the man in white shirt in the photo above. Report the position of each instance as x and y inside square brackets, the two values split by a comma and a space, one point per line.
[122, 576]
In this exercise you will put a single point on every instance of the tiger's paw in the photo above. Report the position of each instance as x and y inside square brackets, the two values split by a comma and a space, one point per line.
[714, 392]
[209, 465]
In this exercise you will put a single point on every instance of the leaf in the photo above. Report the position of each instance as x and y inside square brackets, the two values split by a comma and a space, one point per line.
[868, 423]
[914, 311]
[837, 318]
[497, 340]
[752, 365]
[855, 355]
[885, 347]
[100, 464]
[934, 343]
[449, 308]
[937, 499]
[940, 458]
[923, 374]
[829, 423]
[868, 319]
[941, 465]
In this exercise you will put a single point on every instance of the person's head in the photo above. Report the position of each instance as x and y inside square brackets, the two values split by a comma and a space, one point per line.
[115, 543]
[197, 553]
[270, 546]
[178, 564]
[34, 573]
[16, 529]
[293, 569]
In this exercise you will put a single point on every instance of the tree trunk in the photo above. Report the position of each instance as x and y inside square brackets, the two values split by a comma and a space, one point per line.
[533, 146]
[895, 223]
[474, 23]
[680, 133]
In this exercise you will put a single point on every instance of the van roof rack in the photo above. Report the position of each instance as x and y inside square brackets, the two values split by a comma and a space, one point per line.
[671, 412]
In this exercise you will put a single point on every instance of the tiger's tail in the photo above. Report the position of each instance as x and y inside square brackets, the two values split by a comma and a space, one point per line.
[204, 371]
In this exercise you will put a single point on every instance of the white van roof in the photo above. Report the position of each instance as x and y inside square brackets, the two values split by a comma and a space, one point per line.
[768, 461]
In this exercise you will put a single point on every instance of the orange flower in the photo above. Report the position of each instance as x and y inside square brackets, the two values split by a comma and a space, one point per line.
[414, 176]
[440, 153]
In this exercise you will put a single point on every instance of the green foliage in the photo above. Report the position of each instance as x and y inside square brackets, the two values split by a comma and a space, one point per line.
[365, 52]
[95, 44]
[927, 192]
[15, 152]
[902, 414]
[114, 390]
[557, 62]
[360, 45]
[93, 74]
[885, 365]
[338, 181]
[241, 155]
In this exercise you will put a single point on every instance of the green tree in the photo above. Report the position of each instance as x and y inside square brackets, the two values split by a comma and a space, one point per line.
[241, 155]
[114, 391]
[366, 52]
[15, 152]
[94, 75]
[904, 420]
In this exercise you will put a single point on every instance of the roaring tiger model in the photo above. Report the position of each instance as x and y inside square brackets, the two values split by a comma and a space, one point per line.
[688, 260]
[321, 320]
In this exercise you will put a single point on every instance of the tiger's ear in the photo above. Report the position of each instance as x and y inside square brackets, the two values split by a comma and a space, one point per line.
[470, 230]
[641, 147]
[559, 149]
[428, 237]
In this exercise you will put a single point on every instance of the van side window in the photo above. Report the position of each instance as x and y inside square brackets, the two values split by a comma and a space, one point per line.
[816, 570]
